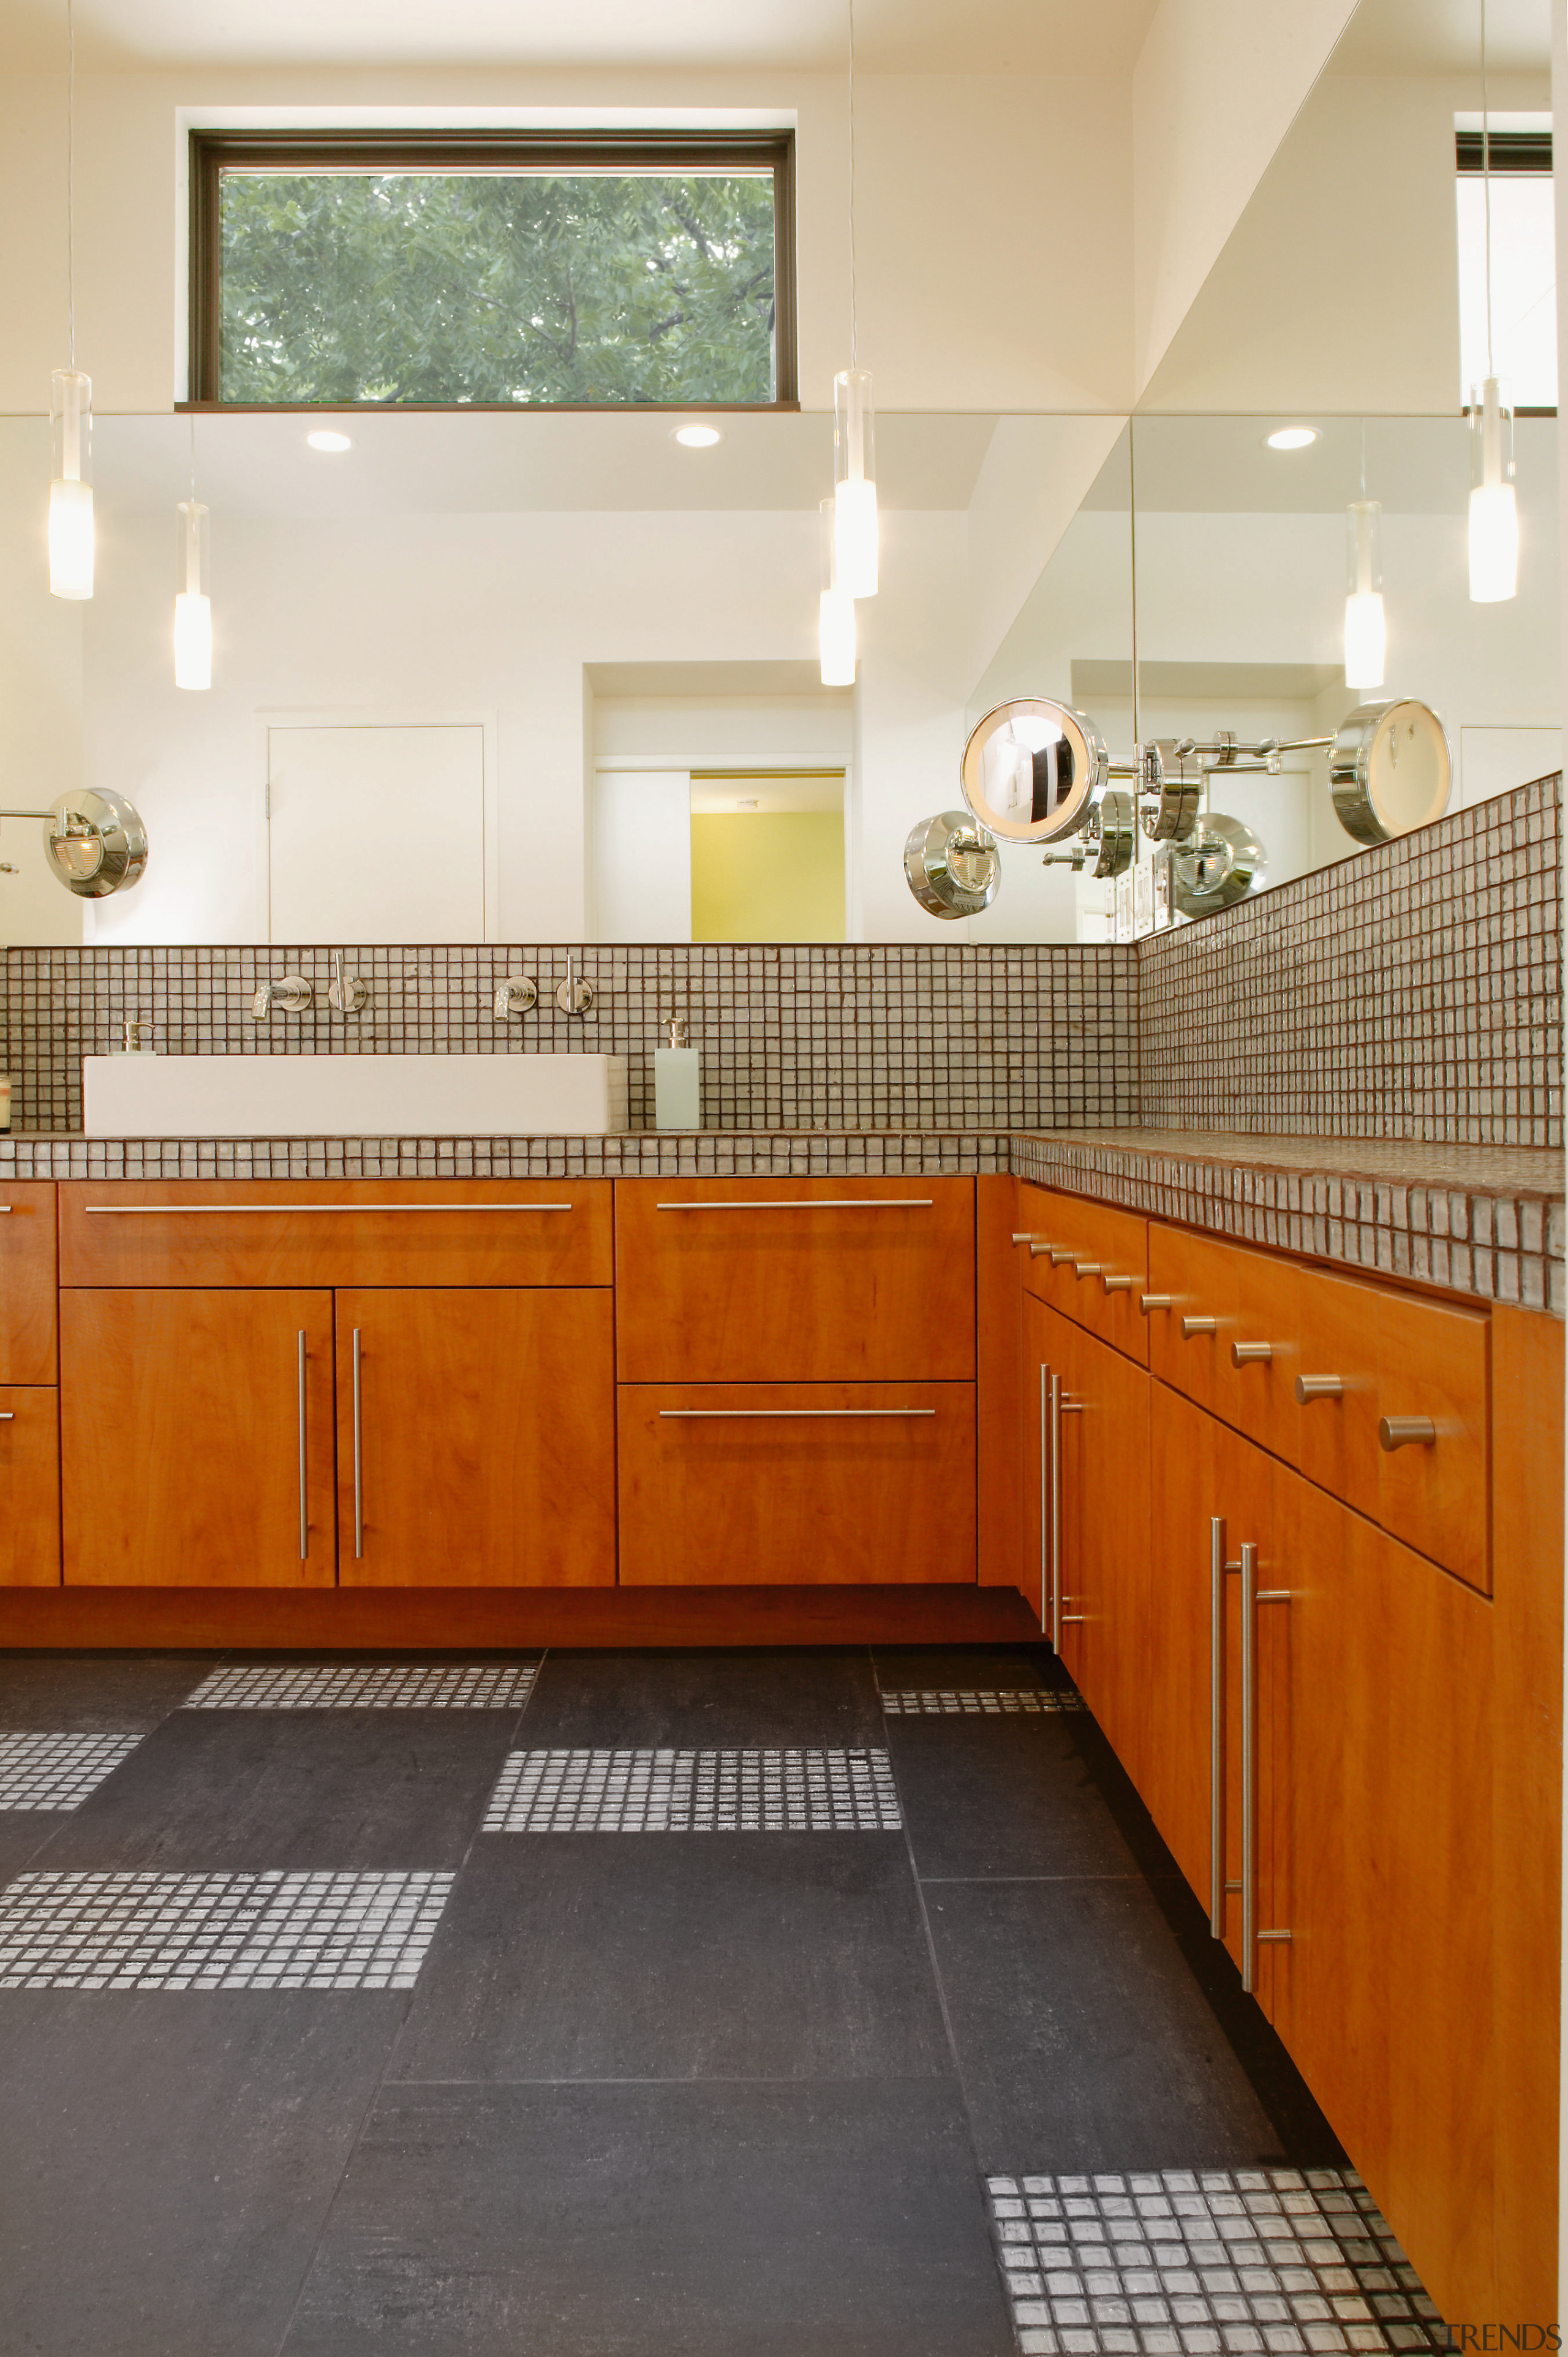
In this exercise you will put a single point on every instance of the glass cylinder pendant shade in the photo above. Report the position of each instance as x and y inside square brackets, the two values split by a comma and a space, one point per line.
[835, 611]
[70, 489]
[192, 607]
[1366, 636]
[854, 479]
[1494, 506]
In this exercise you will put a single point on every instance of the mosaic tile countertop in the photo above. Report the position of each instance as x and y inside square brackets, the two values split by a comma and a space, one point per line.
[1487, 1221]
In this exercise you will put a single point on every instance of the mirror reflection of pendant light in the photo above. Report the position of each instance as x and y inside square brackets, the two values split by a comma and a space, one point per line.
[854, 456]
[1494, 505]
[835, 611]
[71, 401]
[1366, 631]
[192, 607]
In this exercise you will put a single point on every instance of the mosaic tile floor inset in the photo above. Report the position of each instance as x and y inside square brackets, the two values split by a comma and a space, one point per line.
[694, 1793]
[41, 1770]
[271, 1931]
[1206, 2263]
[978, 1702]
[357, 1685]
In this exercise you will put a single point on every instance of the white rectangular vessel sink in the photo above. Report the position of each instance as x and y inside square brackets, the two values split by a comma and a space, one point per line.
[353, 1097]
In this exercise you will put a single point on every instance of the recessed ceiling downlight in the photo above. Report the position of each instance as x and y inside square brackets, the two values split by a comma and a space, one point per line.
[1292, 437]
[324, 438]
[697, 437]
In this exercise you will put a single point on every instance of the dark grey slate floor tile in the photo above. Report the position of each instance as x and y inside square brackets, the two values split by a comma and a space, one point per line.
[167, 2163]
[698, 1700]
[1087, 2041]
[993, 1796]
[210, 1789]
[732, 2221]
[679, 1956]
[914, 1666]
[110, 1694]
[23, 1832]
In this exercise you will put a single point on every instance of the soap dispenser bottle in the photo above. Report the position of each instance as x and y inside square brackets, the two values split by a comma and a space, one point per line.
[677, 1086]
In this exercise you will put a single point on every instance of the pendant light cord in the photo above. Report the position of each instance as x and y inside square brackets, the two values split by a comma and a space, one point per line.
[1133, 568]
[193, 458]
[71, 179]
[853, 320]
[1487, 184]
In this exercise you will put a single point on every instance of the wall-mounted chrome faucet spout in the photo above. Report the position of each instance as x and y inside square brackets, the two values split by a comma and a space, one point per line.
[293, 993]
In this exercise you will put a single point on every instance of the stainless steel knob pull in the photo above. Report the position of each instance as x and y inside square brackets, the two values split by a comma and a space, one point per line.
[1057, 1255]
[1406, 1432]
[1318, 1387]
[1118, 1284]
[1150, 1301]
[1191, 1326]
[1035, 1249]
[1086, 1268]
[1252, 1354]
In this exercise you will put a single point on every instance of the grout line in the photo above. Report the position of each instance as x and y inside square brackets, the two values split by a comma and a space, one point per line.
[375, 2095]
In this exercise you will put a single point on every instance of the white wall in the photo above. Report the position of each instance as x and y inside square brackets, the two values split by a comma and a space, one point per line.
[40, 698]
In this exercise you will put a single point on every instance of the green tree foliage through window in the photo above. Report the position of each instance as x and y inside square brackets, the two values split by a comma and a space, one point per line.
[420, 286]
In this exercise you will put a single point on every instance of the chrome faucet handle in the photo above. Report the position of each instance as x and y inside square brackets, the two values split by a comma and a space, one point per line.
[347, 994]
[515, 995]
[575, 995]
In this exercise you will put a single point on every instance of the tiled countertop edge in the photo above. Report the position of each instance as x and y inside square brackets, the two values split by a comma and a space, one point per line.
[1496, 1245]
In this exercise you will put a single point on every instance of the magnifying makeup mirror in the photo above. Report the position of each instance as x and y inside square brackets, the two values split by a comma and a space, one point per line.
[1031, 770]
[95, 843]
[954, 867]
[1388, 770]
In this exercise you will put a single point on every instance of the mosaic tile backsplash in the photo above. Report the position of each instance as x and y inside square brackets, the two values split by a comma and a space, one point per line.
[792, 1037]
[1411, 992]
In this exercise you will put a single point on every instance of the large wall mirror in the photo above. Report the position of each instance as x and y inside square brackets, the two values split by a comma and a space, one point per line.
[552, 677]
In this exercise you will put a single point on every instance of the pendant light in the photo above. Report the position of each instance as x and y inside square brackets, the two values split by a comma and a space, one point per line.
[1366, 631]
[835, 610]
[854, 426]
[192, 606]
[70, 400]
[1494, 506]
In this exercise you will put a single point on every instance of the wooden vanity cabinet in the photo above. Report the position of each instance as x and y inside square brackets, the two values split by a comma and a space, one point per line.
[197, 1437]
[1092, 1265]
[475, 1446]
[29, 1488]
[28, 1282]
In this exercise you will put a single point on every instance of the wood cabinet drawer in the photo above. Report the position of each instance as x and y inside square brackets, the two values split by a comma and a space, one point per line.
[196, 1438]
[29, 1488]
[337, 1232]
[27, 1353]
[795, 1280]
[1098, 1275]
[475, 1439]
[1224, 1328]
[796, 1484]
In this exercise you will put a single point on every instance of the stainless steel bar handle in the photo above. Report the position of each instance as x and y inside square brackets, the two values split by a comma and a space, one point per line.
[1056, 1512]
[1318, 1387]
[1218, 1567]
[1252, 1354]
[343, 1211]
[1044, 1523]
[1406, 1432]
[812, 1203]
[1191, 1326]
[1252, 1596]
[730, 1415]
[359, 1456]
[304, 1498]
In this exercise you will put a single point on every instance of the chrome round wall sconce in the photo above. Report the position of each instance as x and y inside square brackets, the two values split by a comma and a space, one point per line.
[1032, 770]
[1390, 770]
[1224, 863]
[95, 843]
[954, 867]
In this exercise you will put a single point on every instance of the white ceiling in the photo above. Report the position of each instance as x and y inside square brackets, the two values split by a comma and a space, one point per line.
[891, 36]
[1392, 37]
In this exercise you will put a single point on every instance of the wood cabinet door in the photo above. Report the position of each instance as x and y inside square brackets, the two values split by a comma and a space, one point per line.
[795, 1280]
[796, 1485]
[1432, 1361]
[29, 1488]
[1104, 1473]
[28, 1282]
[1381, 1827]
[196, 1439]
[998, 1411]
[476, 1438]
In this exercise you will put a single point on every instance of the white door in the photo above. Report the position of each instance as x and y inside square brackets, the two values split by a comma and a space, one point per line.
[376, 834]
[643, 855]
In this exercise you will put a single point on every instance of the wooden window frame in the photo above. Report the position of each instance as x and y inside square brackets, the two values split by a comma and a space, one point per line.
[450, 151]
